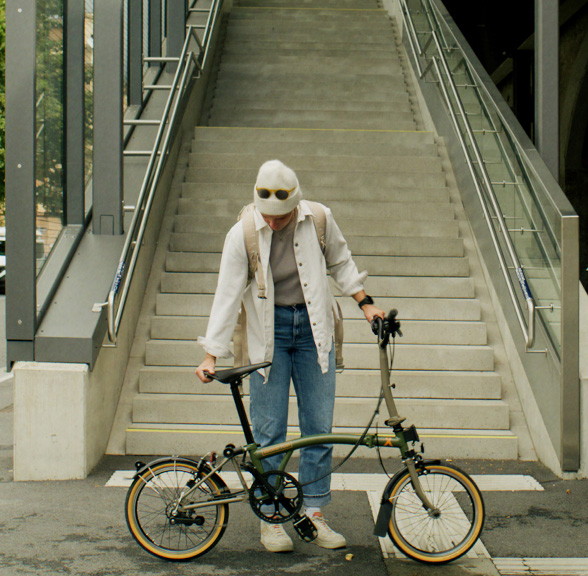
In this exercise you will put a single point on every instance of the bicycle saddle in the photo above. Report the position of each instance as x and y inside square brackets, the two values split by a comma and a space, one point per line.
[234, 374]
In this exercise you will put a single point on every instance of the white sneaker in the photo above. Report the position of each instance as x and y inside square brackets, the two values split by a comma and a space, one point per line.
[327, 538]
[274, 538]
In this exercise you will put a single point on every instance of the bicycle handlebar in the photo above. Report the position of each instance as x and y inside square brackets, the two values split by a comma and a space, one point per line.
[387, 327]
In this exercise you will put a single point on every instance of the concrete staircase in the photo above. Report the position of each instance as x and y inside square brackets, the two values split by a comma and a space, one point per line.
[328, 92]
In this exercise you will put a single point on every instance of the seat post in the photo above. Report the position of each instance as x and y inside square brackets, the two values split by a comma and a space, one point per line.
[236, 392]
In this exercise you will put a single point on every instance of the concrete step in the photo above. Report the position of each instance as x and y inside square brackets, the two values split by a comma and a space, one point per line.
[375, 265]
[295, 105]
[356, 356]
[359, 210]
[312, 4]
[332, 91]
[350, 383]
[326, 194]
[406, 246]
[295, 13]
[419, 287]
[288, 148]
[284, 27]
[350, 84]
[378, 227]
[299, 139]
[214, 410]
[150, 439]
[293, 65]
[356, 331]
[309, 179]
[324, 90]
[240, 35]
[411, 308]
[307, 163]
[257, 46]
[309, 119]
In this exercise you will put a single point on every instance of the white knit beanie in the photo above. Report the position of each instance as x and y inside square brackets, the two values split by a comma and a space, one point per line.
[274, 175]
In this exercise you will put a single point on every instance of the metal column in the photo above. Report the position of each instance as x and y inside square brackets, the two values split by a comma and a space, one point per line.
[74, 97]
[176, 30]
[135, 52]
[21, 280]
[108, 118]
[547, 82]
[155, 30]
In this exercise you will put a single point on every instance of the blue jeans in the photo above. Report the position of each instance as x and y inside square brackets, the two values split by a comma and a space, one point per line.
[295, 358]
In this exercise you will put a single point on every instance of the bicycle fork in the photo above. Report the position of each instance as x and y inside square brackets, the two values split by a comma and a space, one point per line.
[386, 504]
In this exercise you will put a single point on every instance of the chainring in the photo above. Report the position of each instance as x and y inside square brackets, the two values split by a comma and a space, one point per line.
[275, 496]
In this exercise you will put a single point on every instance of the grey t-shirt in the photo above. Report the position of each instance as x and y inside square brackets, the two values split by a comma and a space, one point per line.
[287, 288]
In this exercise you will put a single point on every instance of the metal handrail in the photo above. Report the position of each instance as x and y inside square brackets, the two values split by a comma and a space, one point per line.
[186, 63]
[528, 328]
[505, 128]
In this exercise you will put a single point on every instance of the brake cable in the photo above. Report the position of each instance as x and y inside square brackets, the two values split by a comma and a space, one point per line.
[366, 429]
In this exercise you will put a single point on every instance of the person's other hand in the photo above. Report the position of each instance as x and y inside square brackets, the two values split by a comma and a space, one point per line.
[207, 365]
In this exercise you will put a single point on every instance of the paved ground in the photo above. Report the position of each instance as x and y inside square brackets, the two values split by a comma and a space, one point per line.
[78, 528]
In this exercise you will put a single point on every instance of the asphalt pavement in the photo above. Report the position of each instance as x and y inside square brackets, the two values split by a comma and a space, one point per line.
[78, 527]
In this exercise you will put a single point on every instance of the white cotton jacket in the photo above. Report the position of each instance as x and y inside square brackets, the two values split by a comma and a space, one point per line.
[232, 288]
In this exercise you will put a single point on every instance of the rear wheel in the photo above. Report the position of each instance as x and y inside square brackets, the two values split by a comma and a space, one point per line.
[447, 531]
[166, 530]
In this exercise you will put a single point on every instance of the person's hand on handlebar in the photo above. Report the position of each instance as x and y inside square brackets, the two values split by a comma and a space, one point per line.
[207, 365]
[372, 312]
[367, 306]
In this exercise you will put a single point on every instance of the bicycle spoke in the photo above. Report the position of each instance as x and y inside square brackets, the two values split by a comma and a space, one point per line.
[446, 531]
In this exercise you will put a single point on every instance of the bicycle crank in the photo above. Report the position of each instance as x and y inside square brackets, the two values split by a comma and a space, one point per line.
[275, 496]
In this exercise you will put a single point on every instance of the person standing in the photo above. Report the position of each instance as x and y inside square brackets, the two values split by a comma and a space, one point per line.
[292, 326]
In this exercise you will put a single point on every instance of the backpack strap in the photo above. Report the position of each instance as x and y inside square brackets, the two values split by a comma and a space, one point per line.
[252, 248]
[319, 218]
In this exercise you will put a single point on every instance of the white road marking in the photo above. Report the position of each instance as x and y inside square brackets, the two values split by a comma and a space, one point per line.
[372, 482]
[542, 566]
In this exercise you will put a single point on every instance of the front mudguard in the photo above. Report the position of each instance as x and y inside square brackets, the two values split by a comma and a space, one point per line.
[385, 512]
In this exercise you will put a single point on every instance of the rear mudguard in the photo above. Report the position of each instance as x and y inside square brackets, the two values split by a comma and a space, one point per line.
[141, 467]
[381, 527]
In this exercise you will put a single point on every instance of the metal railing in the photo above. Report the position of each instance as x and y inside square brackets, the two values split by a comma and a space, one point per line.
[433, 55]
[188, 64]
[521, 219]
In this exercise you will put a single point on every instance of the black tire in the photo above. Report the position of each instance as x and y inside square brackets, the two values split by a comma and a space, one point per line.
[448, 532]
[191, 533]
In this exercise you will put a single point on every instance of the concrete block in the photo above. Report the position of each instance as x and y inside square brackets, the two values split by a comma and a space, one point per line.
[50, 421]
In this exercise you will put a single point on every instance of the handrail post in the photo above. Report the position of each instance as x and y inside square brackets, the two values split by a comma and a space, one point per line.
[184, 66]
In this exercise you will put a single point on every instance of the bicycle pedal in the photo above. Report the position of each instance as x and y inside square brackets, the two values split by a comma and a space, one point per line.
[305, 528]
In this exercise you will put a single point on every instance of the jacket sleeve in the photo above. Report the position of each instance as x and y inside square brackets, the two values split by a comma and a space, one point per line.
[339, 260]
[232, 281]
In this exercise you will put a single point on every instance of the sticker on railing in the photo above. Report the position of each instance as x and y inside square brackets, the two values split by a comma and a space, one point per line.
[118, 277]
[523, 282]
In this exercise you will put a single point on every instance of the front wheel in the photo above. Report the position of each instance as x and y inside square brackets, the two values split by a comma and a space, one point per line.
[447, 531]
[166, 529]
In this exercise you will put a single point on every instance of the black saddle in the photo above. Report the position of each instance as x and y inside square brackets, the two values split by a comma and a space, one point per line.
[235, 374]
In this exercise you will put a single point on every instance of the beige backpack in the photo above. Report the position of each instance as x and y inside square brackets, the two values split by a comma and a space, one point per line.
[319, 219]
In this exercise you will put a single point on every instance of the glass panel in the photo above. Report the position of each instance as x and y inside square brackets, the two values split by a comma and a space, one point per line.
[49, 127]
[125, 54]
[88, 92]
